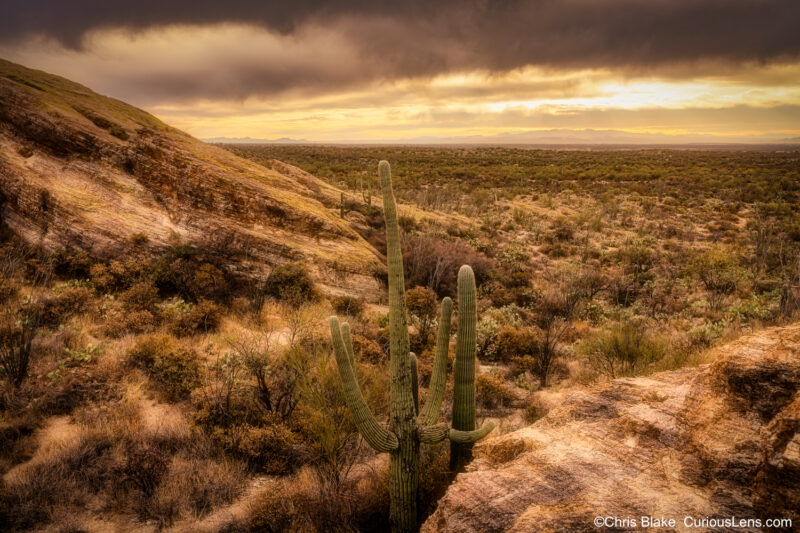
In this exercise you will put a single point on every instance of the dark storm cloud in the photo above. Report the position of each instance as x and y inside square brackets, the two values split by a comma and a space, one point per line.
[387, 40]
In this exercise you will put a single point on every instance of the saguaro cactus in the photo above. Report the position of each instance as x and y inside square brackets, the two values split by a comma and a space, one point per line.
[366, 193]
[408, 424]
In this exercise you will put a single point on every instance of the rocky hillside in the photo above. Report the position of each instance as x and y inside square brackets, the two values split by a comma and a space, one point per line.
[83, 170]
[721, 440]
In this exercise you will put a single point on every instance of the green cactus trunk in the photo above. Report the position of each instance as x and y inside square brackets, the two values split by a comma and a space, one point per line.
[404, 465]
[410, 425]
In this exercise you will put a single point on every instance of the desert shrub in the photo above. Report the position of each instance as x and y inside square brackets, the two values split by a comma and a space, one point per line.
[556, 249]
[276, 510]
[486, 332]
[68, 301]
[139, 239]
[175, 368]
[192, 486]
[143, 468]
[116, 275]
[19, 326]
[140, 297]
[421, 305]
[271, 448]
[348, 305]
[102, 278]
[71, 263]
[516, 342]
[208, 283]
[290, 282]
[533, 412]
[624, 349]
[203, 317]
[117, 322]
[251, 422]
[561, 230]
[492, 391]
[367, 351]
[638, 257]
[119, 133]
[719, 271]
[434, 263]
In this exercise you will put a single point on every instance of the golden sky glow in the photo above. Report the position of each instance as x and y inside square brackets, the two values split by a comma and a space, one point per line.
[237, 80]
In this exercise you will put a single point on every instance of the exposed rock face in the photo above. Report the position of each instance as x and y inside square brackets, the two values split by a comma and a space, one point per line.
[84, 170]
[722, 440]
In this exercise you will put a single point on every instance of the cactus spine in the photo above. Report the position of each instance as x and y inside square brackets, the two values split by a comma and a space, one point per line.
[408, 424]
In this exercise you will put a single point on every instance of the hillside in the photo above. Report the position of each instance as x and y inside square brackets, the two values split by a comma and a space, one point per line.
[82, 170]
[721, 440]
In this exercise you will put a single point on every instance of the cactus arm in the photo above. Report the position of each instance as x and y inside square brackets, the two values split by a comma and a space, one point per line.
[430, 412]
[433, 434]
[414, 380]
[469, 437]
[464, 369]
[397, 298]
[348, 344]
[375, 435]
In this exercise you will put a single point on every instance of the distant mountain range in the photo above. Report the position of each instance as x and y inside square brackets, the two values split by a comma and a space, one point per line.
[547, 137]
[250, 140]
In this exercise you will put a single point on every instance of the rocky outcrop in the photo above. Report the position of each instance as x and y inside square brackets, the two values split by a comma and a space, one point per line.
[718, 441]
[83, 170]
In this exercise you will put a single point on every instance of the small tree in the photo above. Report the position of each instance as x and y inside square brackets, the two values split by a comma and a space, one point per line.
[275, 375]
[553, 313]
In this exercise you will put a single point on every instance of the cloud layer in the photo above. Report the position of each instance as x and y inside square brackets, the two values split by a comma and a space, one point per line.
[358, 68]
[339, 43]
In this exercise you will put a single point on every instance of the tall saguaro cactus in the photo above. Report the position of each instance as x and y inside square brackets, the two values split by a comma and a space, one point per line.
[410, 425]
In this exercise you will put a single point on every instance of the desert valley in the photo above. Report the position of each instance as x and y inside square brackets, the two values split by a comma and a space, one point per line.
[448, 336]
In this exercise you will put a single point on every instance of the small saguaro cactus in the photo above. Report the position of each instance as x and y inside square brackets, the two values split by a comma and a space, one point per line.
[410, 425]
[366, 193]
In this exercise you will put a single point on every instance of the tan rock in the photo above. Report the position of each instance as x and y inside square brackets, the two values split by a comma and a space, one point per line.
[721, 440]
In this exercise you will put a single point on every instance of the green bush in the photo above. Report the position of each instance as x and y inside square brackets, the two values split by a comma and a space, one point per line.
[624, 349]
[719, 271]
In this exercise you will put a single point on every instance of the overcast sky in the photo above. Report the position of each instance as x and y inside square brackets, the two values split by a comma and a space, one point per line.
[370, 70]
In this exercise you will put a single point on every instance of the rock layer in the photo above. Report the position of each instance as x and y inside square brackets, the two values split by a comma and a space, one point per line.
[721, 440]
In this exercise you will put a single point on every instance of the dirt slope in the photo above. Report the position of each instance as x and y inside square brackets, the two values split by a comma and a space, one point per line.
[721, 440]
[82, 169]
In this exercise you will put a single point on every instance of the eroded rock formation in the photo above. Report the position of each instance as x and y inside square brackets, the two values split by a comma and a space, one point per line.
[721, 440]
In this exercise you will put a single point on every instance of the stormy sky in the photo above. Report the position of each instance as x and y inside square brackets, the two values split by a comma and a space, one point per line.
[345, 70]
